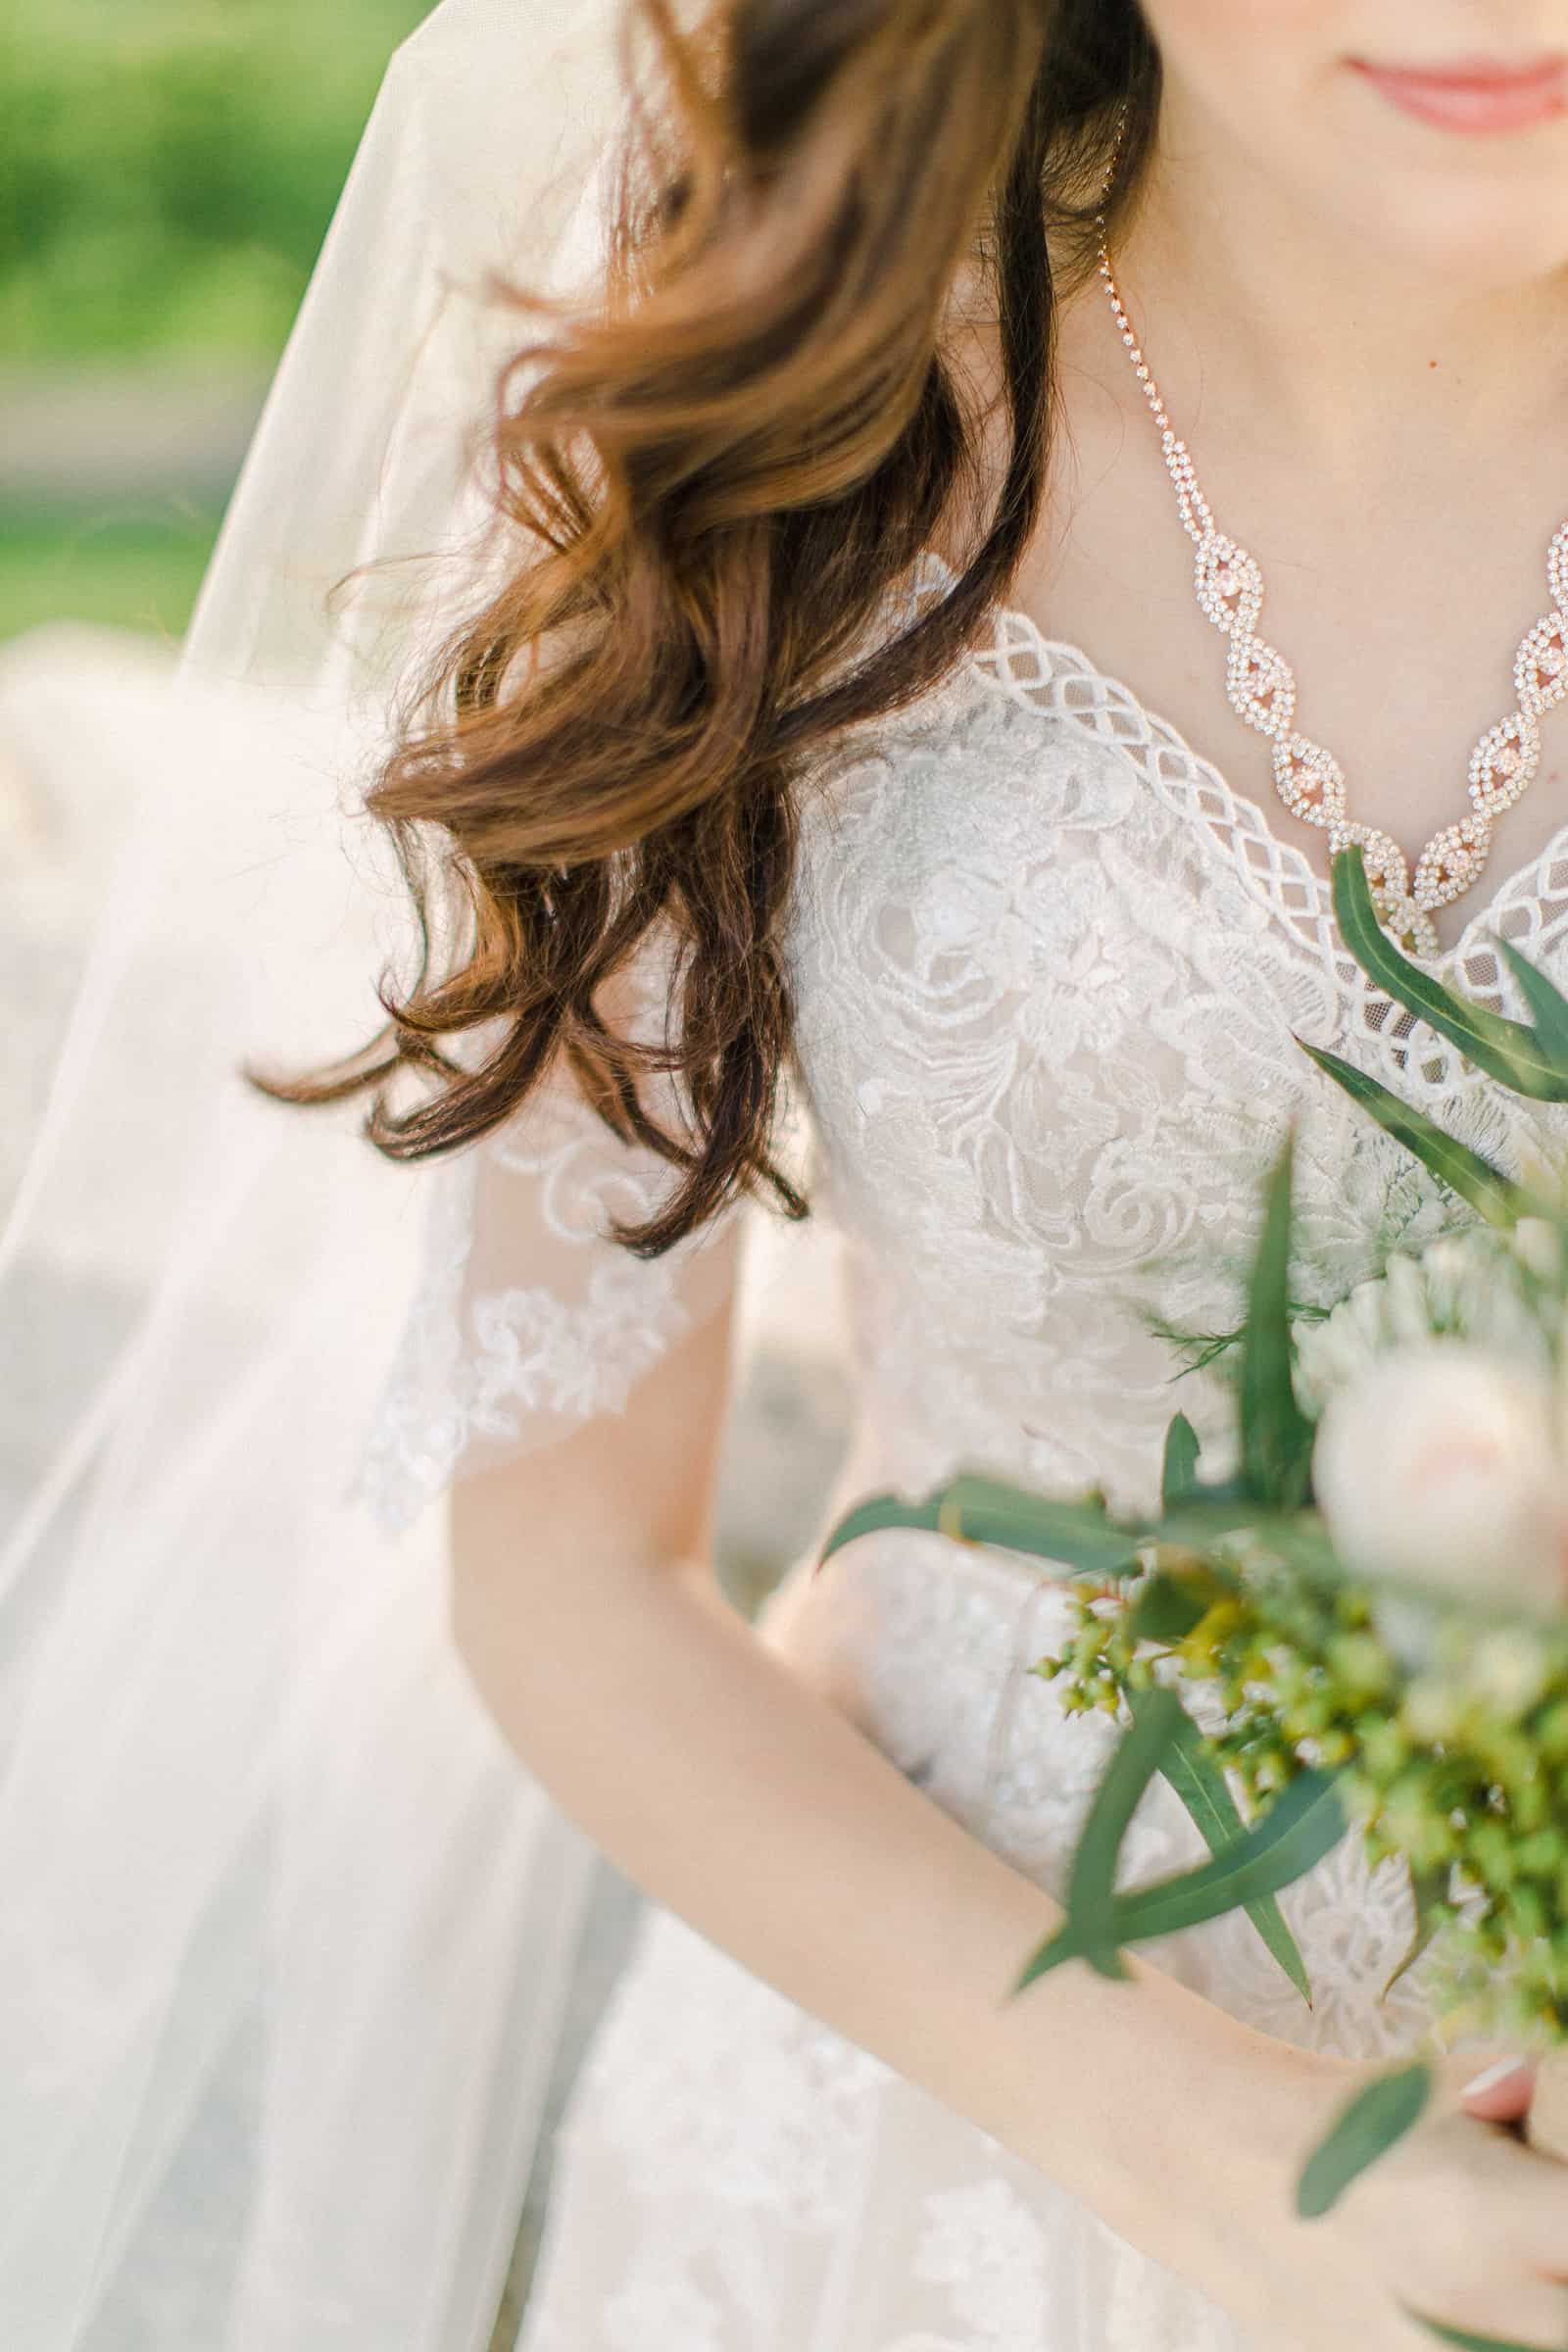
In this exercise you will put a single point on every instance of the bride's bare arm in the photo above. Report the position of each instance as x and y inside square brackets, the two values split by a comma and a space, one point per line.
[740, 1797]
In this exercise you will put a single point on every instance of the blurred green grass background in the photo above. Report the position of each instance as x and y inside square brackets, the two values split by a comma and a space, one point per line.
[166, 172]
[119, 566]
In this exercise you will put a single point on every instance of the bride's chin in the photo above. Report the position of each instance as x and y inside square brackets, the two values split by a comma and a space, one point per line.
[1473, 217]
[1489, 247]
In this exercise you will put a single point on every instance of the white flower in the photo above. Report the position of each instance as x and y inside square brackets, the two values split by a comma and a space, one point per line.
[1463, 1285]
[1438, 1467]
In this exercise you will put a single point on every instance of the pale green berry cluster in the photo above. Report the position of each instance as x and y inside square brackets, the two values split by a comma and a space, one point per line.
[1454, 1759]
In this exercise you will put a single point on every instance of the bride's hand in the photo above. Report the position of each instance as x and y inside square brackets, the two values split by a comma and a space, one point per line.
[1461, 2221]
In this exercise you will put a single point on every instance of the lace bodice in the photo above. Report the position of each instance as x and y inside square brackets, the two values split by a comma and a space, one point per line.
[1050, 972]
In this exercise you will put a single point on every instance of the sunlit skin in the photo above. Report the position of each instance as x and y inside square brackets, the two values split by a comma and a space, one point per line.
[1273, 100]
[1358, 317]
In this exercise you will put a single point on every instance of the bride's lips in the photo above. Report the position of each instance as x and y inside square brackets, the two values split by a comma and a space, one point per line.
[1474, 93]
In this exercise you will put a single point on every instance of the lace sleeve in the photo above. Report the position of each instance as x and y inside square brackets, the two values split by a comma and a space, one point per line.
[529, 1321]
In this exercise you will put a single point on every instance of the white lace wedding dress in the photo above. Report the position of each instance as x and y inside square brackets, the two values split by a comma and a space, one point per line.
[1048, 972]
[284, 1919]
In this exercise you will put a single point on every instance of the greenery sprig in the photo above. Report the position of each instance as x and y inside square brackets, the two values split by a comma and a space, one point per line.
[1456, 1762]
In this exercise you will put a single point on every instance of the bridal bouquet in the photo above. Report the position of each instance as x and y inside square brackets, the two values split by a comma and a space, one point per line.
[1365, 1626]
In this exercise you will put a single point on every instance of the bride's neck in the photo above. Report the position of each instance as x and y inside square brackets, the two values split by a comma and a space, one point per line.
[1262, 325]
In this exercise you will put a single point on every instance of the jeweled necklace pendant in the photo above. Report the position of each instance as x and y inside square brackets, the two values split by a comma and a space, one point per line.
[1260, 687]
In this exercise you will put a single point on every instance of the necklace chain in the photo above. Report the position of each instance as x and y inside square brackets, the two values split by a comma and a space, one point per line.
[1260, 687]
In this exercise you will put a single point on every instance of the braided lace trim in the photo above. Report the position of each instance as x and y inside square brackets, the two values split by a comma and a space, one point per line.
[1529, 909]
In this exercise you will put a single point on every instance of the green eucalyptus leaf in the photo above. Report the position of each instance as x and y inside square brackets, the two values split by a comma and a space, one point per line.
[1291, 1839]
[1091, 1887]
[1505, 1049]
[1463, 2338]
[1374, 2121]
[879, 1511]
[1493, 1194]
[1548, 1006]
[1276, 1434]
[1179, 1481]
[1166, 1609]
[1201, 1784]
[1074, 1537]
[1207, 1519]
[1430, 1887]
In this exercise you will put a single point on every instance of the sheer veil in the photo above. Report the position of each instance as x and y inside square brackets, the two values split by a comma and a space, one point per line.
[284, 1924]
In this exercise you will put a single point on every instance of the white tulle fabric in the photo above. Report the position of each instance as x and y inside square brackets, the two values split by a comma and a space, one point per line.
[284, 1925]
[287, 1929]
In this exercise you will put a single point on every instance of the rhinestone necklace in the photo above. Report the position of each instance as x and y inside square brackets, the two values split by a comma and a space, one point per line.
[1260, 688]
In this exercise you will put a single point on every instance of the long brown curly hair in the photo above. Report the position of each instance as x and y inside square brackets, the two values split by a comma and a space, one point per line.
[719, 473]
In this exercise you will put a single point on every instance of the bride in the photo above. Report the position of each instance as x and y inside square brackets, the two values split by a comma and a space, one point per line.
[1003, 489]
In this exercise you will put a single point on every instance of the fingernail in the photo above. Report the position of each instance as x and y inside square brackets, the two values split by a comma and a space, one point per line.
[1501, 2070]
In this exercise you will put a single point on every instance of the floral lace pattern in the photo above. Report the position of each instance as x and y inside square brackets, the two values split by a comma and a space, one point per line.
[1048, 972]
[481, 1369]
[529, 1321]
